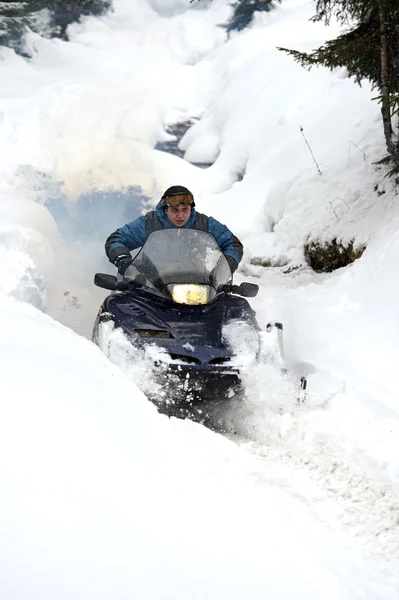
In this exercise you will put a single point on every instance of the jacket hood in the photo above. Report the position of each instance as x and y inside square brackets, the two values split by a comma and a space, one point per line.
[161, 214]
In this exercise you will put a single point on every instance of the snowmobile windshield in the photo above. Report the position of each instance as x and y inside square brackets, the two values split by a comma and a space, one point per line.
[180, 256]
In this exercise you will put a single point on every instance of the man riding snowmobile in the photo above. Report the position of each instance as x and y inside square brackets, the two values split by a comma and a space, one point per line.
[176, 298]
[176, 209]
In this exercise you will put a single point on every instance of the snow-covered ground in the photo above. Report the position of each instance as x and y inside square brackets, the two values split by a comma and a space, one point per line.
[100, 495]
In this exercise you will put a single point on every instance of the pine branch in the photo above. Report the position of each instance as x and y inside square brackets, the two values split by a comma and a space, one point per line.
[368, 50]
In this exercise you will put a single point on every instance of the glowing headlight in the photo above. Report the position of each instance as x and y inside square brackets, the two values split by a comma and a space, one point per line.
[190, 294]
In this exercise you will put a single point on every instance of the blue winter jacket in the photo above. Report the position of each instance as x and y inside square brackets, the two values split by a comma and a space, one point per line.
[133, 235]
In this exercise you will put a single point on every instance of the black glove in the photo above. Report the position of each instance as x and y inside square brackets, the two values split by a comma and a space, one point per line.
[232, 263]
[122, 262]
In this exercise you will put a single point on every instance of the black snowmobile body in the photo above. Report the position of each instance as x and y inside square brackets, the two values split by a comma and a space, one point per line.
[178, 295]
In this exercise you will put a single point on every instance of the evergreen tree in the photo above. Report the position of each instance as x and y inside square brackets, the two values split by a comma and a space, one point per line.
[244, 13]
[64, 13]
[369, 49]
[15, 17]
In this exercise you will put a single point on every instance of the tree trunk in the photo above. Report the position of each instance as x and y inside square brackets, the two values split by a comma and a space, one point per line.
[385, 86]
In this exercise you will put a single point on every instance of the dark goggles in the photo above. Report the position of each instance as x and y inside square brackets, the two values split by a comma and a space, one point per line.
[176, 199]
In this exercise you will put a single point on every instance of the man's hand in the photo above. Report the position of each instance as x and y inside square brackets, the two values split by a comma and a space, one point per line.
[122, 262]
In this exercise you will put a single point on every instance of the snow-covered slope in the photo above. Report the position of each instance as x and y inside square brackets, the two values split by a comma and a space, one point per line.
[102, 496]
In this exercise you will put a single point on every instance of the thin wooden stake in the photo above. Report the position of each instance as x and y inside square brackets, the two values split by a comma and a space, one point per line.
[310, 149]
[365, 157]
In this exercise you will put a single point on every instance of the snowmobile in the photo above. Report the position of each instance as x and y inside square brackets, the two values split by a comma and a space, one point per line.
[178, 295]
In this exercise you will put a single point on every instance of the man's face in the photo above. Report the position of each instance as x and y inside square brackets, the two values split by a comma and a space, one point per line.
[178, 215]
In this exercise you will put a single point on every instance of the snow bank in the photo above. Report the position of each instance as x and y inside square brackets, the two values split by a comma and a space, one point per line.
[101, 495]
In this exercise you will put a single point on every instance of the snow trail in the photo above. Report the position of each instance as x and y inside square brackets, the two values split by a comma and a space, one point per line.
[340, 494]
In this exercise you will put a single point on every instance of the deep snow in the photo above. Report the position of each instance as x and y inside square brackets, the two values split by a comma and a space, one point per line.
[101, 496]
